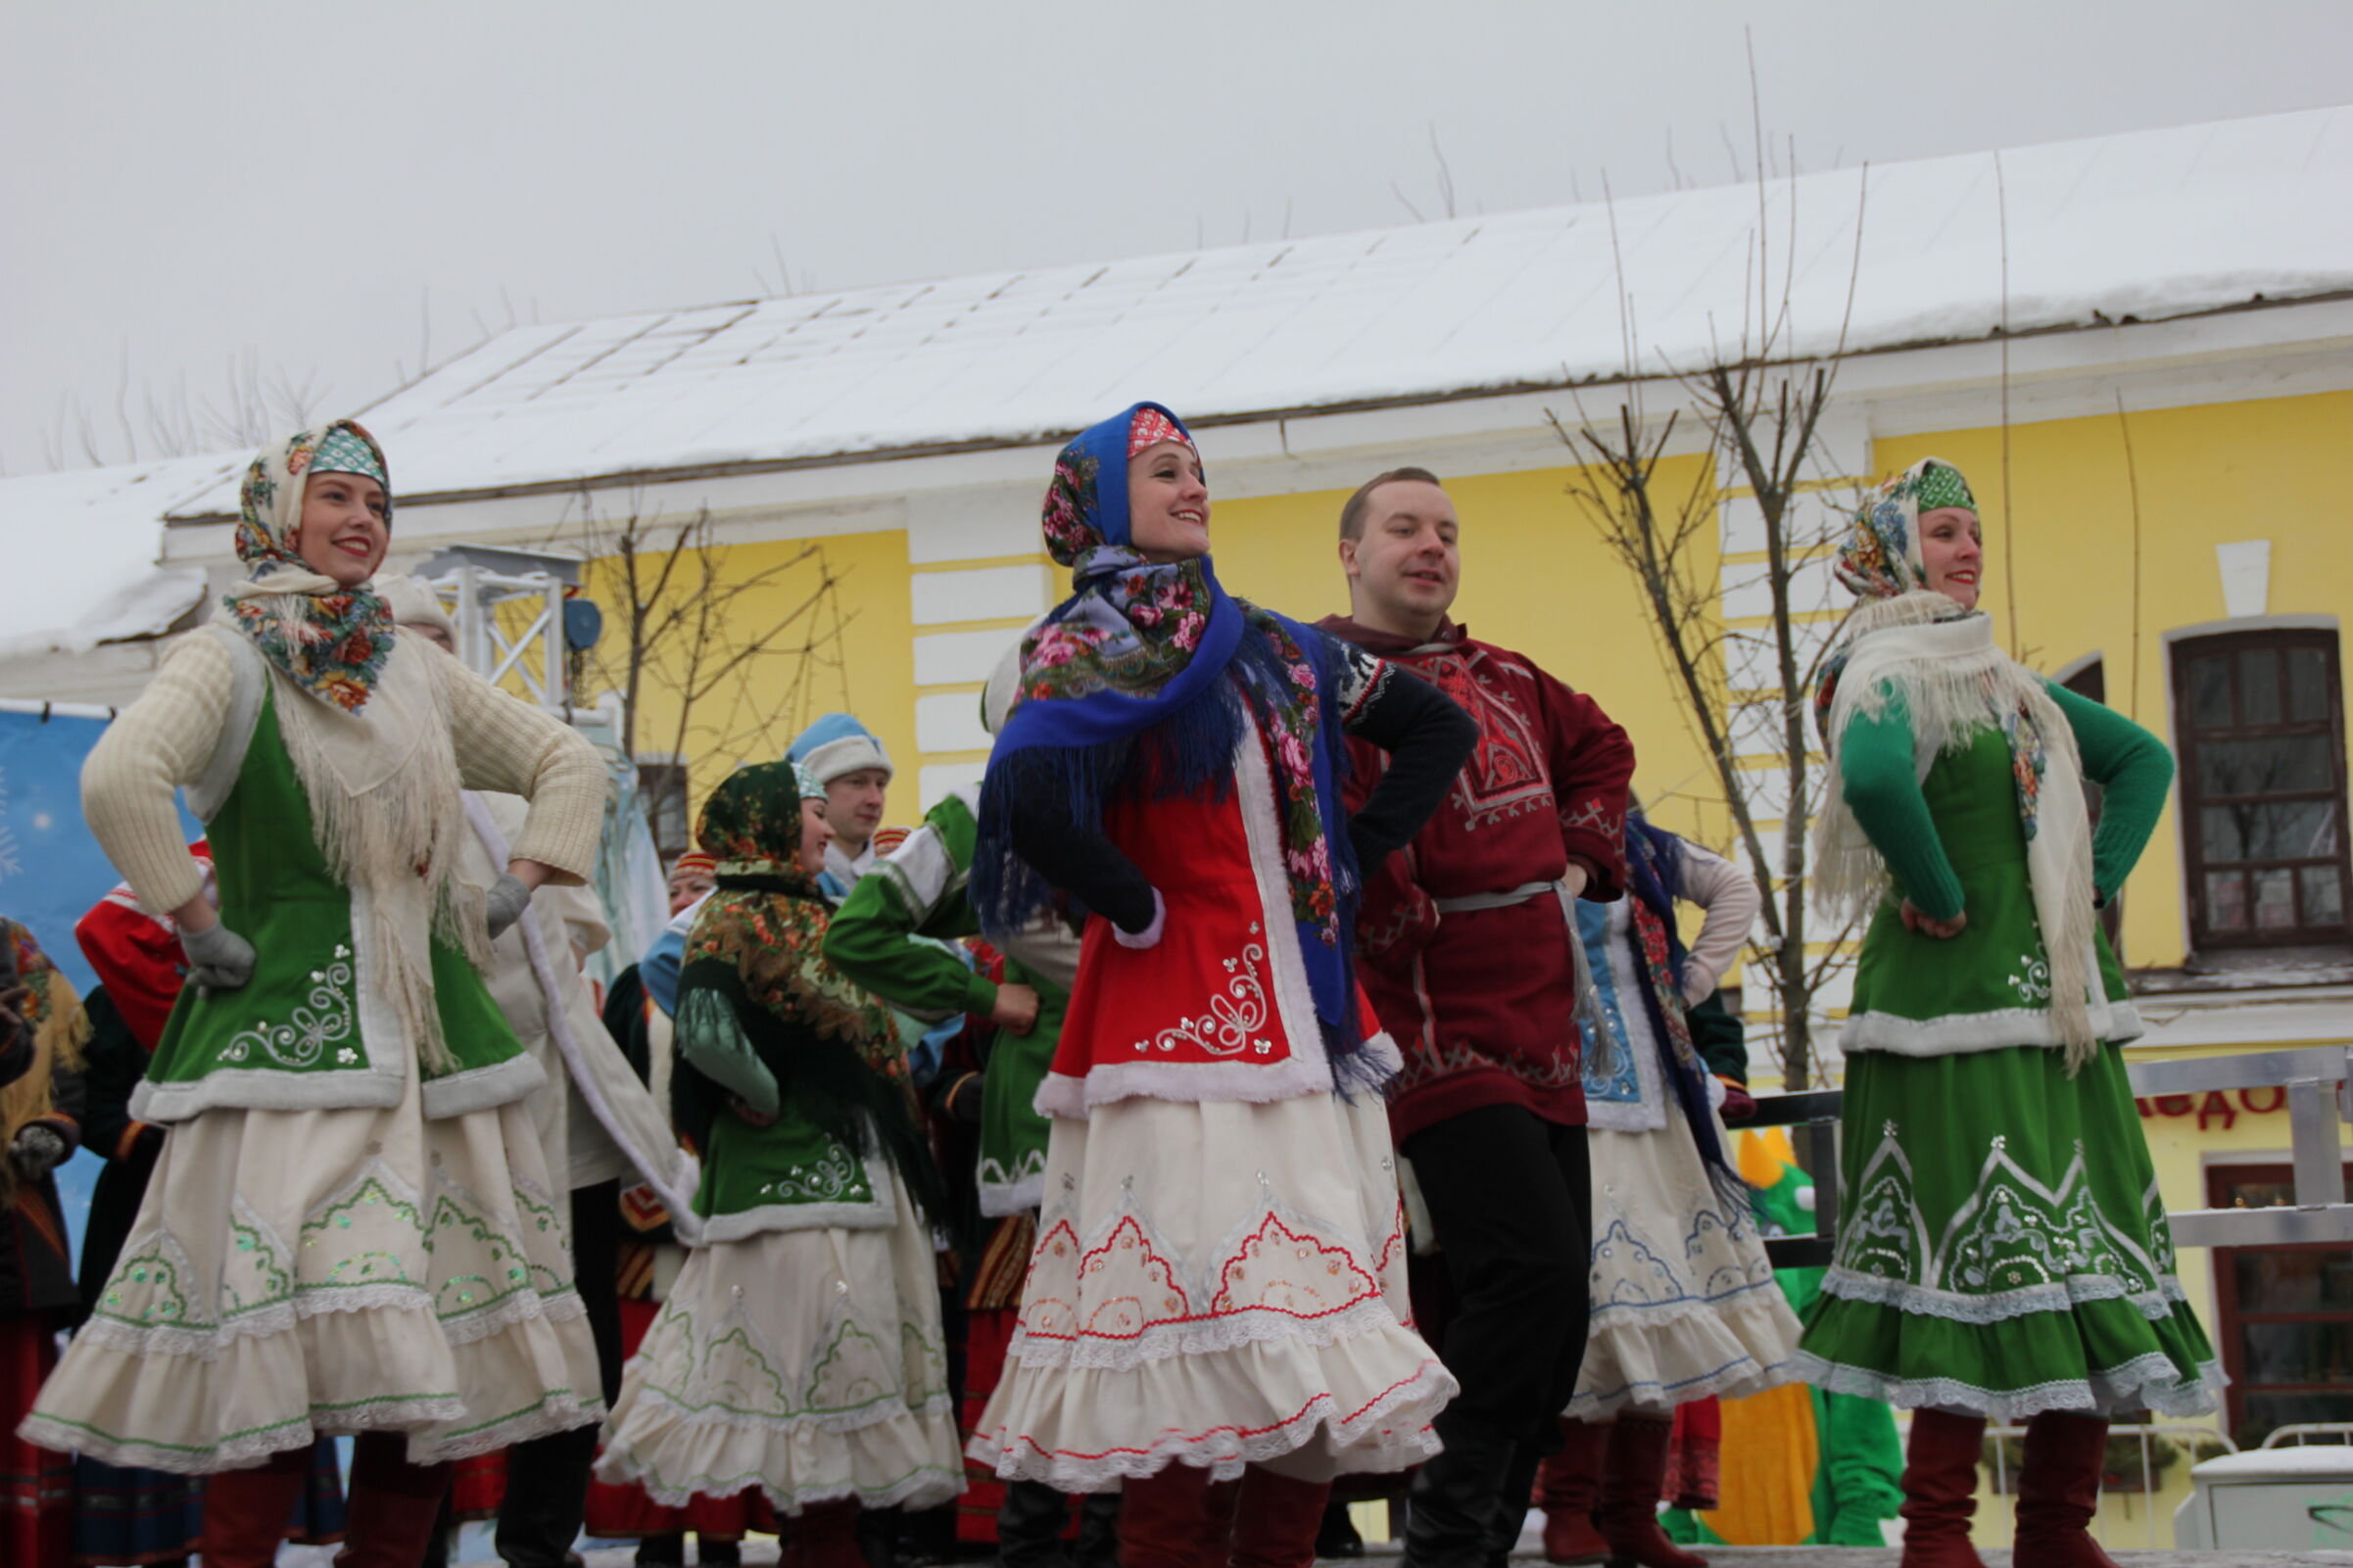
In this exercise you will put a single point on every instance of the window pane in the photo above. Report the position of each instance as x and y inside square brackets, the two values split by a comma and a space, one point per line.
[2307, 685]
[2293, 1282]
[2259, 686]
[2219, 835]
[2276, 899]
[2272, 765]
[2293, 830]
[2324, 895]
[2210, 692]
[2297, 1353]
[2227, 900]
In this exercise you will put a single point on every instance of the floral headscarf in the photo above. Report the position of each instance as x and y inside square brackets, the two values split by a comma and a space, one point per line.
[1138, 656]
[764, 926]
[331, 641]
[1881, 555]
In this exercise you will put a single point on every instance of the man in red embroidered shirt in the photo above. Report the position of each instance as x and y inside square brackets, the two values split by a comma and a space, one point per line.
[1469, 952]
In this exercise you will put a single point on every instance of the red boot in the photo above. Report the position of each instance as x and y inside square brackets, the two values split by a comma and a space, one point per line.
[1275, 1519]
[2058, 1491]
[394, 1505]
[1175, 1519]
[824, 1535]
[1631, 1478]
[1940, 1490]
[1565, 1489]
[245, 1510]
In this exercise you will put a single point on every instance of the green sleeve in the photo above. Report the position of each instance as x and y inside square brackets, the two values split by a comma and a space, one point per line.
[868, 941]
[712, 1040]
[1720, 1038]
[1880, 786]
[2134, 771]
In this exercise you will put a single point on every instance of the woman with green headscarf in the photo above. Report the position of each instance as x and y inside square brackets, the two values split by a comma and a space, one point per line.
[2003, 1251]
[351, 1228]
[800, 1351]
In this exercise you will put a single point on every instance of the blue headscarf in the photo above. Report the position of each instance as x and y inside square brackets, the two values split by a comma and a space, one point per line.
[1139, 657]
[1655, 876]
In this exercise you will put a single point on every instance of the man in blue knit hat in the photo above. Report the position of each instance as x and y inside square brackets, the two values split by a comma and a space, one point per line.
[846, 758]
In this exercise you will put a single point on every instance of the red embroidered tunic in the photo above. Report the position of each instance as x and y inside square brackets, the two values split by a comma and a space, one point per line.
[1481, 1002]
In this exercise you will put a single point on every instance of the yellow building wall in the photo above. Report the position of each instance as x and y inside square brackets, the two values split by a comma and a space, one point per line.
[863, 663]
[2073, 526]
[1537, 578]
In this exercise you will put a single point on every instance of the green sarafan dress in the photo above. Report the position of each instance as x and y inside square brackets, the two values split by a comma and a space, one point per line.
[2003, 1248]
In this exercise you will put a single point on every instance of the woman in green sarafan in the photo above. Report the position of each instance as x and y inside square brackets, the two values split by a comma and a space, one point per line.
[800, 1351]
[2004, 1252]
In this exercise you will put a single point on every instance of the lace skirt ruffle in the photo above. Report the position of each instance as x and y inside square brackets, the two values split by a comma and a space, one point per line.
[301, 1273]
[1684, 1302]
[1216, 1284]
[808, 1364]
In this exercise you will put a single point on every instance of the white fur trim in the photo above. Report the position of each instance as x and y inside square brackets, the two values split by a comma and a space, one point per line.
[848, 754]
[1961, 1033]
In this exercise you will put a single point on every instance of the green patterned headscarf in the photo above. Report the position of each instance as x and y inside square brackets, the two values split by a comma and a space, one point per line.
[1881, 555]
[760, 934]
[332, 641]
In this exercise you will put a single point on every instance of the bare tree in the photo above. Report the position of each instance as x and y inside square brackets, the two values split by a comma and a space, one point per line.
[248, 408]
[1759, 406]
[706, 671]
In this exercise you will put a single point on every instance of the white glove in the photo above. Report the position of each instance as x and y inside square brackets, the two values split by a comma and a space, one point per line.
[219, 959]
[508, 900]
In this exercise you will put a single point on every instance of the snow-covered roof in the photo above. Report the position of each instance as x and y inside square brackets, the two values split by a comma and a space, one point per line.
[2145, 224]
[86, 542]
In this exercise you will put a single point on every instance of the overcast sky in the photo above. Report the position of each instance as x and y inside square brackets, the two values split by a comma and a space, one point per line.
[305, 186]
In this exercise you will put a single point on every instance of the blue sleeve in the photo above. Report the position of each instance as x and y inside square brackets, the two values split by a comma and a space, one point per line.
[657, 970]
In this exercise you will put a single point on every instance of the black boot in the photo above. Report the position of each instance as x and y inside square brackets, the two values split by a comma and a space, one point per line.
[1098, 1542]
[1454, 1495]
[1512, 1503]
[713, 1552]
[437, 1544]
[878, 1536]
[662, 1552]
[1030, 1526]
[547, 1495]
[1337, 1536]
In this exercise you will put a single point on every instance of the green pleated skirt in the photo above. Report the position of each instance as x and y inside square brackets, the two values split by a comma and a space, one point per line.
[2003, 1247]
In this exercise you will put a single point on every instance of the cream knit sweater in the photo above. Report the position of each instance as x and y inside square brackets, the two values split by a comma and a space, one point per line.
[165, 739]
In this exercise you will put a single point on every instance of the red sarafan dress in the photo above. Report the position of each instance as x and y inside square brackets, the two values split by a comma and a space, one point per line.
[1219, 1274]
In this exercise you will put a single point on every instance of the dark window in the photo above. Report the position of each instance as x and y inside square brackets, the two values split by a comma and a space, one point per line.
[2263, 789]
[2284, 1315]
[662, 791]
[2091, 681]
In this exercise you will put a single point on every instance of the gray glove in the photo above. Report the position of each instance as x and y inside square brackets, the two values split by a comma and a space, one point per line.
[38, 1152]
[219, 959]
[508, 900]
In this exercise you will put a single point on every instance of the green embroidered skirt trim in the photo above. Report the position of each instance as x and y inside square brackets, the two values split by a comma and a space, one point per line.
[2004, 1248]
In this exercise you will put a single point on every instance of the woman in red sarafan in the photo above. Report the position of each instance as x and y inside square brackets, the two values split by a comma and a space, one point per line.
[1217, 1291]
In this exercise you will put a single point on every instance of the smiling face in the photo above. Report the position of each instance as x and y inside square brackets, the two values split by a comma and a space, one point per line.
[815, 834]
[346, 527]
[1406, 566]
[1168, 503]
[853, 805]
[1953, 552]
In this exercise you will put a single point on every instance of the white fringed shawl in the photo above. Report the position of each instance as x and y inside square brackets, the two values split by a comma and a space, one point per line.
[1954, 681]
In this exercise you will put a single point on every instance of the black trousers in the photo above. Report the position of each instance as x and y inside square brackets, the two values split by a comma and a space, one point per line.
[1511, 1196]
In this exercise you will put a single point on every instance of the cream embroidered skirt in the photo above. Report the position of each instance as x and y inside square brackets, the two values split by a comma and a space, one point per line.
[1216, 1284]
[1684, 1302]
[807, 1363]
[294, 1272]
